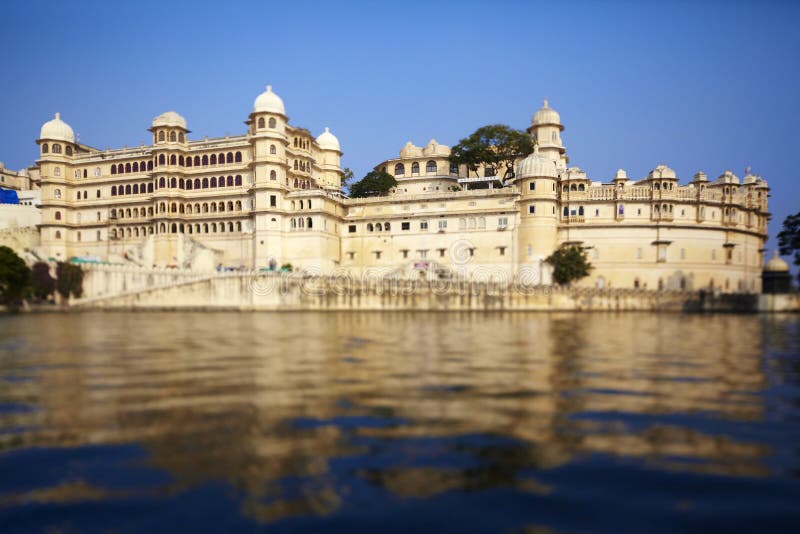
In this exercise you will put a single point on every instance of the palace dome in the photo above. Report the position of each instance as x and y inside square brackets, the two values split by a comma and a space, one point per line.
[170, 118]
[328, 141]
[269, 102]
[433, 148]
[546, 115]
[537, 166]
[58, 130]
[776, 264]
[410, 151]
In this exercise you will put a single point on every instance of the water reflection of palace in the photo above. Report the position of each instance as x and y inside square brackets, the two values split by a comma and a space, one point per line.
[274, 405]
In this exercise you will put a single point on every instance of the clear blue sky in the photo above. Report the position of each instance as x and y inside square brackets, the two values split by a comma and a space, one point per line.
[698, 86]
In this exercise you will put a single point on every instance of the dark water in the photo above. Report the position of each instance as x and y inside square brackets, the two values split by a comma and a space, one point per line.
[373, 422]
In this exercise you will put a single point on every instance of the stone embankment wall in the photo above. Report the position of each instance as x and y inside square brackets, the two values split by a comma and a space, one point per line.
[132, 288]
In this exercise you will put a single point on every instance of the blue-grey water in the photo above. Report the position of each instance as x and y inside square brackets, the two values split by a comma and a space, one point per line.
[398, 422]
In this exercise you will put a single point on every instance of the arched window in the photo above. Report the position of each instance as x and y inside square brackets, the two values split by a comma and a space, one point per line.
[386, 226]
[128, 189]
[370, 228]
[162, 183]
[296, 166]
[197, 161]
[415, 168]
[399, 169]
[221, 207]
[113, 169]
[113, 190]
[566, 211]
[213, 160]
[173, 183]
[230, 227]
[238, 205]
[135, 189]
[580, 210]
[229, 157]
[181, 184]
[230, 181]
[162, 207]
[378, 227]
[205, 228]
[150, 167]
[162, 160]
[150, 187]
[273, 149]
[174, 228]
[309, 223]
[173, 160]
[238, 180]
[58, 234]
[188, 184]
[197, 228]
[222, 227]
[273, 175]
[272, 122]
[230, 205]
[58, 215]
[173, 207]
[214, 228]
[239, 226]
[189, 161]
[309, 203]
[205, 183]
[69, 150]
[197, 183]
[45, 148]
[127, 167]
[181, 138]
[205, 160]
[128, 213]
[173, 137]
[573, 187]
[213, 181]
[581, 187]
[430, 167]
[57, 171]
[261, 123]
[135, 166]
[56, 149]
[238, 157]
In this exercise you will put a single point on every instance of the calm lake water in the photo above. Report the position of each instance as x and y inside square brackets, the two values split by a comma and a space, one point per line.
[384, 422]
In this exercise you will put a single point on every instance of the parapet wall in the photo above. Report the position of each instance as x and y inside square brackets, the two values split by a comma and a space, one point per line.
[130, 288]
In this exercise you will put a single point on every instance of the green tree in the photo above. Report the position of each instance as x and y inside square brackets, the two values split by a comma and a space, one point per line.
[347, 176]
[43, 283]
[374, 184]
[569, 263]
[15, 278]
[497, 146]
[789, 238]
[69, 280]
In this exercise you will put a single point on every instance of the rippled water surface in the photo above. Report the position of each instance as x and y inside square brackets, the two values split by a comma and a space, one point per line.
[377, 422]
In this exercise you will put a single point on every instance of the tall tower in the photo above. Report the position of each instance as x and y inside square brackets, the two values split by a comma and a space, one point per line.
[546, 131]
[329, 161]
[267, 132]
[537, 179]
[57, 146]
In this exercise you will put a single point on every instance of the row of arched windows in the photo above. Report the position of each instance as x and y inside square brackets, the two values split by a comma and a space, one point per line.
[300, 222]
[298, 184]
[172, 136]
[197, 207]
[131, 213]
[573, 187]
[303, 204]
[378, 227]
[430, 168]
[135, 189]
[301, 143]
[56, 149]
[302, 166]
[666, 186]
[204, 228]
[200, 183]
[471, 223]
[136, 231]
[272, 122]
[136, 166]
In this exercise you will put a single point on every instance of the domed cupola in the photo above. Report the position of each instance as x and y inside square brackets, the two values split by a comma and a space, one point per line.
[776, 264]
[328, 141]
[57, 130]
[269, 102]
[170, 119]
[546, 116]
[537, 166]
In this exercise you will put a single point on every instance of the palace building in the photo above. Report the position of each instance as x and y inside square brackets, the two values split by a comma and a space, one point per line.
[272, 196]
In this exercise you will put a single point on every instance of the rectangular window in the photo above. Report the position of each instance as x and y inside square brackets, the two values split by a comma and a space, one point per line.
[441, 252]
[377, 254]
[442, 224]
[502, 221]
[502, 250]
[405, 253]
[351, 255]
[351, 228]
[532, 186]
[423, 254]
[423, 225]
[273, 201]
[405, 226]
[531, 209]
[596, 212]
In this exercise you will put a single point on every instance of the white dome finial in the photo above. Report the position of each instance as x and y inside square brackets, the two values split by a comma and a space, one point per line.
[544, 103]
[58, 115]
[269, 88]
[327, 130]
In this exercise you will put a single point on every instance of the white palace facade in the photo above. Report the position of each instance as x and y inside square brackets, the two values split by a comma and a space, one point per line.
[272, 196]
